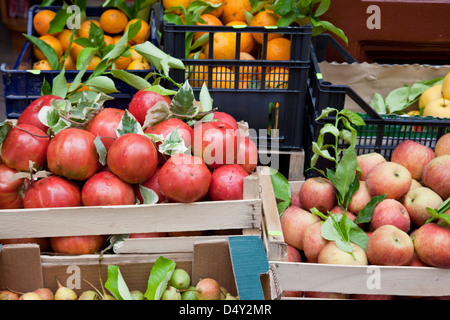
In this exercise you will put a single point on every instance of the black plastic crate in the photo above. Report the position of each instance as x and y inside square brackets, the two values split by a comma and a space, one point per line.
[21, 87]
[382, 133]
[252, 100]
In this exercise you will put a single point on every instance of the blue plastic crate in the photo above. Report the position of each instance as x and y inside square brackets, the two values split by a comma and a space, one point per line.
[21, 87]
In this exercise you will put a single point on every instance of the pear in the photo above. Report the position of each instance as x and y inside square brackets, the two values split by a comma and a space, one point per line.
[189, 294]
[30, 296]
[8, 295]
[208, 289]
[171, 293]
[137, 295]
[64, 293]
[180, 279]
[88, 295]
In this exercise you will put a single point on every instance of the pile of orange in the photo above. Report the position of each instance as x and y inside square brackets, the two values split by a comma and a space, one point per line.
[113, 23]
[225, 46]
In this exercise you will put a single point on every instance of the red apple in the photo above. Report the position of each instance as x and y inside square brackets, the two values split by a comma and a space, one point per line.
[416, 262]
[432, 244]
[367, 162]
[436, 175]
[413, 156]
[389, 178]
[390, 246]
[338, 210]
[295, 199]
[78, 244]
[360, 198]
[326, 295]
[391, 212]
[317, 192]
[10, 197]
[294, 222]
[442, 145]
[293, 254]
[373, 297]
[148, 235]
[43, 243]
[332, 254]
[416, 202]
[313, 242]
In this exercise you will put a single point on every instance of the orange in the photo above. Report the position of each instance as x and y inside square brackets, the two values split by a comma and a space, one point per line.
[68, 63]
[224, 46]
[139, 64]
[113, 21]
[142, 35]
[197, 74]
[42, 65]
[51, 41]
[94, 62]
[247, 42]
[210, 21]
[233, 10]
[279, 49]
[276, 78]
[85, 26]
[222, 78]
[109, 40]
[175, 3]
[64, 37]
[264, 19]
[123, 62]
[248, 72]
[41, 21]
[75, 51]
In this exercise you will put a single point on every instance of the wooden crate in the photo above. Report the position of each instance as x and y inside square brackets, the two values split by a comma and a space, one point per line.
[236, 264]
[239, 216]
[404, 281]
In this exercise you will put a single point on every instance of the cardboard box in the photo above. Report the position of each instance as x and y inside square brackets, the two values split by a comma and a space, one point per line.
[236, 264]
[404, 281]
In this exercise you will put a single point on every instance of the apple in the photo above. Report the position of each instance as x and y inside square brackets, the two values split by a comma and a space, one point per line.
[294, 222]
[432, 93]
[432, 244]
[417, 200]
[389, 178]
[442, 145]
[43, 243]
[368, 161]
[390, 246]
[78, 244]
[413, 156]
[373, 297]
[360, 198]
[293, 254]
[338, 210]
[436, 175]
[391, 212]
[446, 86]
[439, 108]
[317, 192]
[148, 235]
[295, 199]
[416, 262]
[313, 242]
[332, 254]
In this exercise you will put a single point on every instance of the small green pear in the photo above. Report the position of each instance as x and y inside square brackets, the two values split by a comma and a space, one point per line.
[180, 279]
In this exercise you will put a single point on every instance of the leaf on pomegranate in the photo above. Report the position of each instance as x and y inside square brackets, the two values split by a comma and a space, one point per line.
[206, 101]
[182, 104]
[101, 150]
[173, 143]
[160, 90]
[160, 275]
[116, 284]
[128, 124]
[158, 113]
[5, 127]
[148, 195]
[102, 84]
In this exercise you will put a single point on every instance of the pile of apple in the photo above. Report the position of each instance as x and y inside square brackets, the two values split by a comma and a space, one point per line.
[134, 163]
[415, 178]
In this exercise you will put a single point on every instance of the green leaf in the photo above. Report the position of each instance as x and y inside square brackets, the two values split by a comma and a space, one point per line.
[128, 124]
[183, 102]
[157, 57]
[158, 113]
[345, 172]
[160, 275]
[46, 88]
[440, 213]
[281, 189]
[59, 21]
[116, 284]
[326, 112]
[101, 150]
[46, 49]
[378, 103]
[322, 152]
[366, 213]
[397, 100]
[322, 8]
[5, 127]
[102, 84]
[353, 117]
[173, 144]
[148, 195]
[60, 85]
[131, 79]
[160, 90]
